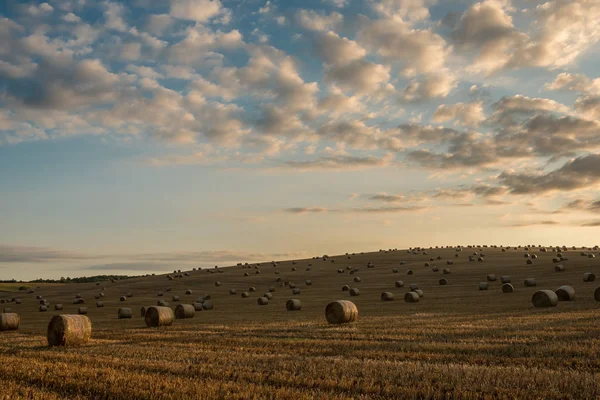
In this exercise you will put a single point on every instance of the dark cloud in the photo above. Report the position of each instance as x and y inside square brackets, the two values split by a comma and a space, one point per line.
[534, 223]
[132, 266]
[343, 162]
[28, 254]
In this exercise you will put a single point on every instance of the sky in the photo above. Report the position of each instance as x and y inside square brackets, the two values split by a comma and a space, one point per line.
[146, 136]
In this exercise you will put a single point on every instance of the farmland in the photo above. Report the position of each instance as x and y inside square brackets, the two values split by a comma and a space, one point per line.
[456, 342]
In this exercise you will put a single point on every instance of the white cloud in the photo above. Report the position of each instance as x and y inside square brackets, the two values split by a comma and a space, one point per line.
[468, 114]
[195, 10]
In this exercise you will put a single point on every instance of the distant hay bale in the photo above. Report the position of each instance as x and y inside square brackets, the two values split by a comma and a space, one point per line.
[9, 321]
[143, 311]
[480, 259]
[427, 264]
[232, 291]
[207, 305]
[394, 270]
[217, 283]
[443, 281]
[97, 297]
[78, 296]
[162, 303]
[544, 298]
[565, 293]
[345, 288]
[252, 289]
[413, 286]
[198, 307]
[529, 261]
[308, 282]
[99, 304]
[167, 289]
[247, 274]
[483, 286]
[184, 311]
[340, 271]
[559, 268]
[589, 277]
[387, 296]
[69, 330]
[268, 295]
[245, 295]
[354, 292]
[82, 310]
[124, 313]
[508, 288]
[446, 271]
[296, 291]
[491, 278]
[530, 282]
[262, 301]
[271, 288]
[123, 298]
[411, 297]
[399, 284]
[597, 294]
[159, 316]
[188, 292]
[357, 279]
[341, 312]
[58, 307]
[18, 301]
[409, 272]
[175, 298]
[505, 279]
[101, 294]
[419, 292]
[129, 295]
[43, 308]
[79, 301]
[293, 305]
[8, 310]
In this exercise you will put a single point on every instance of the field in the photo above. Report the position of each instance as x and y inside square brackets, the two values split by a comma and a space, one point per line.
[457, 342]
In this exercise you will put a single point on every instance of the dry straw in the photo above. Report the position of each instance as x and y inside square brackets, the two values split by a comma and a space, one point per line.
[508, 288]
[184, 311]
[411, 297]
[159, 316]
[341, 312]
[387, 296]
[262, 301]
[9, 321]
[565, 293]
[69, 330]
[293, 305]
[544, 298]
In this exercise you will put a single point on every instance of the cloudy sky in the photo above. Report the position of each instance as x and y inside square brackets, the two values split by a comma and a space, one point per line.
[145, 136]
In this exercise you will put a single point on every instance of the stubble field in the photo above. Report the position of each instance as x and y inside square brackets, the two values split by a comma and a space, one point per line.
[456, 342]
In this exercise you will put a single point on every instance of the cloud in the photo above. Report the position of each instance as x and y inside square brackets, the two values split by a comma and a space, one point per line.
[588, 106]
[305, 210]
[311, 20]
[340, 162]
[413, 10]
[467, 114]
[359, 75]
[534, 223]
[195, 10]
[574, 83]
[132, 266]
[30, 254]
[591, 223]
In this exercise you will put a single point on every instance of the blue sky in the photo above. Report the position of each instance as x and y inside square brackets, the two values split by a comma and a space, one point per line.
[145, 136]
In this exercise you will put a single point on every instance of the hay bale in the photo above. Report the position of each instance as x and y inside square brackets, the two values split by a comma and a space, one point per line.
[129, 295]
[341, 312]
[271, 289]
[124, 313]
[69, 330]
[9, 321]
[252, 289]
[508, 288]
[413, 286]
[175, 298]
[82, 310]
[409, 272]
[354, 292]
[387, 296]
[99, 304]
[491, 278]
[262, 301]
[357, 279]
[207, 305]
[79, 300]
[245, 295]
[8, 310]
[505, 279]
[394, 270]
[162, 303]
[399, 284]
[345, 288]
[589, 277]
[530, 282]
[58, 307]
[293, 305]
[340, 271]
[268, 295]
[308, 282]
[483, 286]
[559, 268]
[184, 311]
[43, 308]
[565, 293]
[188, 292]
[435, 269]
[123, 298]
[159, 316]
[443, 281]
[296, 291]
[597, 294]
[198, 307]
[411, 297]
[544, 298]
[446, 271]
[529, 261]
[232, 291]
[419, 292]
[217, 283]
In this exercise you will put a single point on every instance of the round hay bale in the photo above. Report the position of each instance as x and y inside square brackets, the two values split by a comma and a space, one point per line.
[97, 297]
[58, 307]
[559, 268]
[143, 311]
[123, 298]
[483, 286]
[43, 308]
[252, 289]
[293, 305]
[268, 295]
[198, 307]
[175, 298]
[129, 295]
[544, 298]
[446, 271]
[387, 296]
[597, 294]
[411, 297]
[589, 277]
[480, 259]
[308, 282]
[419, 292]
[443, 281]
[232, 291]
[167, 289]
[529, 261]
[162, 303]
[99, 304]
[124, 313]
[217, 283]
[505, 279]
[357, 279]
[188, 292]
[508, 288]
[207, 305]
[394, 270]
[345, 288]
[184, 311]
[354, 292]
[413, 286]
[530, 282]
[399, 284]
[69, 330]
[245, 295]
[262, 301]
[435, 269]
[340, 271]
[101, 294]
[78, 300]
[271, 289]
[409, 272]
[9, 321]
[82, 310]
[159, 316]
[341, 312]
[206, 297]
[565, 293]
[491, 278]
[78, 296]
[296, 291]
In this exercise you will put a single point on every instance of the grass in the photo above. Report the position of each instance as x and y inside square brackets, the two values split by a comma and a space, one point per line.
[457, 342]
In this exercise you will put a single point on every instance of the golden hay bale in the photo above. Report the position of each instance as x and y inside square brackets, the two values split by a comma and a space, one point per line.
[69, 330]
[483, 286]
[589, 277]
[597, 294]
[529, 261]
[124, 313]
[58, 307]
[99, 304]
[559, 268]
[340, 271]
[198, 307]
[399, 284]
[508, 288]
[262, 301]
[184, 311]
[159, 316]
[565, 293]
[443, 281]
[394, 270]
[413, 286]
[293, 305]
[387, 296]
[252, 289]
[435, 269]
[82, 310]
[530, 282]
[9, 321]
[341, 312]
[162, 303]
[544, 298]
[354, 292]
[411, 297]
[207, 305]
